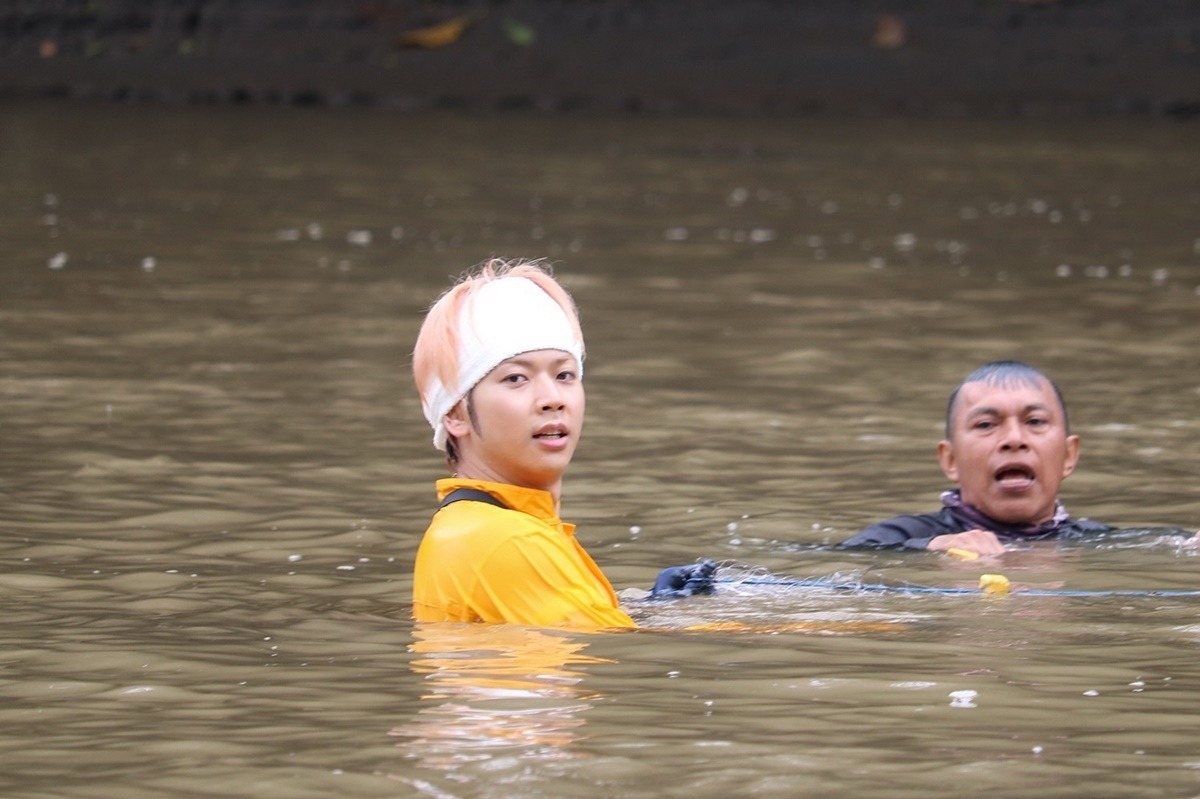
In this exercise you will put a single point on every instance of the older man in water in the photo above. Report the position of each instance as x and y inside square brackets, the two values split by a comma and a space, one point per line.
[1008, 446]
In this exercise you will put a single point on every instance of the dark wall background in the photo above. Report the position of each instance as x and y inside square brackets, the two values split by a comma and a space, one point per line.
[971, 57]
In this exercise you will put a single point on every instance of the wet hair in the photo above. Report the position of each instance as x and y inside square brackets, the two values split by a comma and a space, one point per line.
[1005, 373]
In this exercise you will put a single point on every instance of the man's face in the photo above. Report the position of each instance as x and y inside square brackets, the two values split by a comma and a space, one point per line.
[1009, 450]
[528, 415]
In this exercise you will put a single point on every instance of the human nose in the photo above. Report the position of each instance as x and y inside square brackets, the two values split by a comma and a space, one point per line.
[550, 394]
[1013, 435]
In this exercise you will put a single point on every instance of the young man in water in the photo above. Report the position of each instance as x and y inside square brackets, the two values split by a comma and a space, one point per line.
[499, 367]
[1008, 446]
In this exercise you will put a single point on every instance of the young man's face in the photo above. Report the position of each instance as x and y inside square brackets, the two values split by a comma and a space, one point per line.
[1009, 450]
[528, 415]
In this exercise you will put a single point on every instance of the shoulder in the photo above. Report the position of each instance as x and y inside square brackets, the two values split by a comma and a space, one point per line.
[476, 518]
[487, 531]
[1073, 527]
[907, 530]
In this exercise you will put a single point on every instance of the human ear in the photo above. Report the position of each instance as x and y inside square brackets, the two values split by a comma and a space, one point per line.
[945, 453]
[456, 421]
[1072, 455]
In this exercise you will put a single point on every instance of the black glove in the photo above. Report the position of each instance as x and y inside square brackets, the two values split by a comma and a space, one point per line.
[678, 581]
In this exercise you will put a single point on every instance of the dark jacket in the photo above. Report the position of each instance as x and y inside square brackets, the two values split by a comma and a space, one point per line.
[916, 531]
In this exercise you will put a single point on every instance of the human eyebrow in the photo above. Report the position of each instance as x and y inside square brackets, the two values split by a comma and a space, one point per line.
[975, 413]
[511, 366]
[566, 363]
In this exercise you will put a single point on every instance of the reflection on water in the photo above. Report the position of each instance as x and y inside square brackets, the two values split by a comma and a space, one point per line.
[495, 692]
[215, 471]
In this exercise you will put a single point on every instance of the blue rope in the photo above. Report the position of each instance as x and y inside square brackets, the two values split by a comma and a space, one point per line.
[823, 582]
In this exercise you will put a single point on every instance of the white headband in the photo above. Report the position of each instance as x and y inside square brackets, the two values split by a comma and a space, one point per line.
[502, 319]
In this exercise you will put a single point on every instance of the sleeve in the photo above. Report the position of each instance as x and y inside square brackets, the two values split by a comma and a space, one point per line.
[533, 579]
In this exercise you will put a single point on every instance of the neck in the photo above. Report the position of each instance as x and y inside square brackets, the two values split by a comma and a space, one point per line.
[468, 471]
[1058, 515]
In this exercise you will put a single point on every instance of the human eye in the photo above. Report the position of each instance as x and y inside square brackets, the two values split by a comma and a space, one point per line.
[513, 378]
[1037, 421]
[566, 376]
[982, 424]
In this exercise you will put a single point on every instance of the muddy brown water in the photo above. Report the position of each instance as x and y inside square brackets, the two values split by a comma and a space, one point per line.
[215, 471]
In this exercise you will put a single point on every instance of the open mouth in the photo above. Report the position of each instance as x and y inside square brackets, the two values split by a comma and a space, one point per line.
[1014, 477]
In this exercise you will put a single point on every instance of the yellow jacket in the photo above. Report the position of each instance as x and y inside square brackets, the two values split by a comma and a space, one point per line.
[478, 562]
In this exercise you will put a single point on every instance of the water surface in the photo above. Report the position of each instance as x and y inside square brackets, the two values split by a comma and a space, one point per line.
[215, 471]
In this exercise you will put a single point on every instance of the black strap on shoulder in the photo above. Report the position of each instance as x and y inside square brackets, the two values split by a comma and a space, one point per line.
[471, 495]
